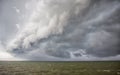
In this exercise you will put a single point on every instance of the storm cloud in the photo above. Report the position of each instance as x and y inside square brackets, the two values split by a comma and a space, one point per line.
[64, 30]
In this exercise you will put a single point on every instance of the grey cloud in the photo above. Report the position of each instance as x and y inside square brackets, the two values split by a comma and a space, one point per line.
[54, 27]
[78, 29]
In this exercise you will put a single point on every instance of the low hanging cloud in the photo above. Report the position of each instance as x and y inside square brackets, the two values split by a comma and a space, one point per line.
[69, 29]
[46, 22]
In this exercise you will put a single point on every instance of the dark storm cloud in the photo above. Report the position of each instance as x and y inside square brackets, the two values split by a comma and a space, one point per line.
[57, 21]
[79, 30]
[97, 33]
[104, 41]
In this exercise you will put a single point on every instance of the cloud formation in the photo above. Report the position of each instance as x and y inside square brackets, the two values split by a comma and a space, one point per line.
[68, 29]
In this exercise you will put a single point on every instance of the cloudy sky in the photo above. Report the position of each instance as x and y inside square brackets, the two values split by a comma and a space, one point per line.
[60, 30]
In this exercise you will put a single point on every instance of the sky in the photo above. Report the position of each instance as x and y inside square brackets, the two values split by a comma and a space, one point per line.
[59, 30]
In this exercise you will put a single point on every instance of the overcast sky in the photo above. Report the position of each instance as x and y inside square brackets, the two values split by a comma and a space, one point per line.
[60, 30]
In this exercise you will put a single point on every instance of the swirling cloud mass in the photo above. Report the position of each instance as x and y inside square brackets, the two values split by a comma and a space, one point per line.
[60, 30]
